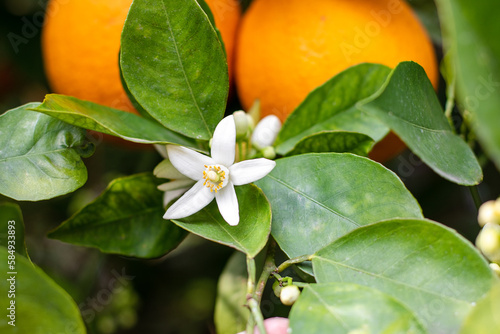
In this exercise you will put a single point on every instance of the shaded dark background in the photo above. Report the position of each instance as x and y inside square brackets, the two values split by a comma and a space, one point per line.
[174, 294]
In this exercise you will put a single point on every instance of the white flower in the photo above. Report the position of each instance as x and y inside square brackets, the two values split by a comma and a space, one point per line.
[178, 183]
[215, 176]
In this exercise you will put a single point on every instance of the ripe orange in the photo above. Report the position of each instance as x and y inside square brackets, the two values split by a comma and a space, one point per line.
[286, 48]
[81, 41]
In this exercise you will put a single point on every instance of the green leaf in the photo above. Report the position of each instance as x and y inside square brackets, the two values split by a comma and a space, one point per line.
[409, 106]
[252, 232]
[470, 33]
[334, 141]
[41, 306]
[332, 106]
[40, 156]
[317, 198]
[210, 16]
[429, 268]
[126, 219]
[174, 65]
[12, 228]
[111, 121]
[484, 317]
[231, 315]
[339, 308]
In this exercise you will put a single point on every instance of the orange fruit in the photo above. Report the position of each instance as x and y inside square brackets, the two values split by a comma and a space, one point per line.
[80, 45]
[286, 48]
[81, 41]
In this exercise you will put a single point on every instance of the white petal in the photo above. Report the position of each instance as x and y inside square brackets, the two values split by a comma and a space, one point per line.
[176, 184]
[250, 170]
[166, 170]
[266, 131]
[228, 204]
[224, 142]
[191, 202]
[162, 149]
[169, 196]
[188, 162]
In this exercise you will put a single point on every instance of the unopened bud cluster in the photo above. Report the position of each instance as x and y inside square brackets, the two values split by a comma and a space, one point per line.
[261, 136]
[488, 239]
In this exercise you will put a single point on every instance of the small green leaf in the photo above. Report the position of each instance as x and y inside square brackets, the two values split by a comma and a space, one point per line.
[126, 219]
[484, 317]
[231, 315]
[174, 65]
[114, 122]
[470, 34]
[317, 198]
[12, 228]
[332, 106]
[429, 268]
[40, 156]
[252, 232]
[41, 306]
[334, 141]
[409, 106]
[340, 308]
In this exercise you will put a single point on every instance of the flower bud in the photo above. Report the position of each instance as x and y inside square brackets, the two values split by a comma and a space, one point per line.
[495, 268]
[289, 294]
[269, 152]
[489, 212]
[266, 131]
[488, 242]
[244, 124]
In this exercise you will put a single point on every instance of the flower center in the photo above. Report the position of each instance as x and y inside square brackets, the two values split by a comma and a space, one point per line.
[214, 176]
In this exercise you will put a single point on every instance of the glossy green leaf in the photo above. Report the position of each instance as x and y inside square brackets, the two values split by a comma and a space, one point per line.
[484, 318]
[126, 219]
[470, 34]
[12, 228]
[409, 106]
[342, 308]
[317, 198]
[231, 315]
[334, 141]
[40, 156]
[107, 120]
[174, 65]
[429, 268]
[41, 306]
[252, 232]
[332, 106]
[203, 4]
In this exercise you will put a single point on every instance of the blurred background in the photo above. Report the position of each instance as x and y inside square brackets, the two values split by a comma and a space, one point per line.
[176, 293]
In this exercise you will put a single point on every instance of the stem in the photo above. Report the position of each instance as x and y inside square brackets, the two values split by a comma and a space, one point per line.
[295, 260]
[475, 196]
[257, 315]
[251, 276]
[269, 267]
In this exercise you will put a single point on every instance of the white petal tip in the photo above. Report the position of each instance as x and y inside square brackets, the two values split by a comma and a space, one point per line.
[234, 223]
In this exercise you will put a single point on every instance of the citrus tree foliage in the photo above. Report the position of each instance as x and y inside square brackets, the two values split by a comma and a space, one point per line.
[368, 259]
